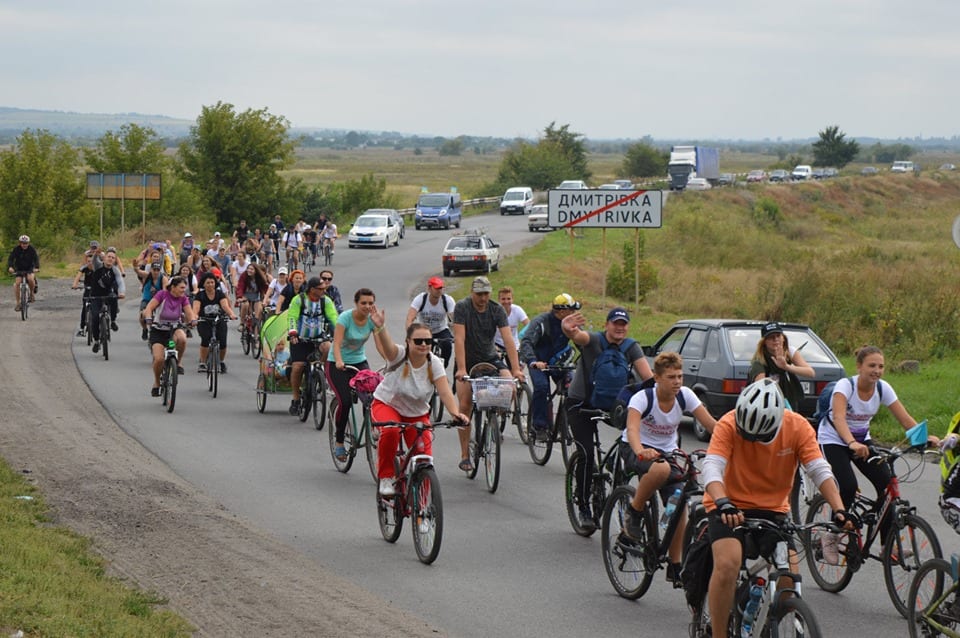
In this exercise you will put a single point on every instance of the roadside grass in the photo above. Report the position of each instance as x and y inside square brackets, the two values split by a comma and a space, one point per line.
[52, 584]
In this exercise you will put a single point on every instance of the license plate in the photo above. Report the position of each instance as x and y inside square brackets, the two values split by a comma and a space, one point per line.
[464, 258]
[364, 238]
[807, 387]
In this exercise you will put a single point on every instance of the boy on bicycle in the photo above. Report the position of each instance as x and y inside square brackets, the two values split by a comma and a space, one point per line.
[950, 473]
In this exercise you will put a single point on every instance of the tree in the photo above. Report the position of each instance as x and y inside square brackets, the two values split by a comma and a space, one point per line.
[833, 150]
[559, 155]
[571, 146]
[643, 160]
[451, 147]
[42, 195]
[135, 149]
[233, 160]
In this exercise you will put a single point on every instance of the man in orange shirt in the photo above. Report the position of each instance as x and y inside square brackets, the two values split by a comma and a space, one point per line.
[753, 456]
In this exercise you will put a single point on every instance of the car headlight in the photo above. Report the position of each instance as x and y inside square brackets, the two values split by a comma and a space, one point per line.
[419, 213]
[443, 211]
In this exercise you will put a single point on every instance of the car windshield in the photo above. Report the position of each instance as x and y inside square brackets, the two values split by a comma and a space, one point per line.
[538, 210]
[371, 222]
[513, 196]
[434, 200]
[743, 344]
[464, 243]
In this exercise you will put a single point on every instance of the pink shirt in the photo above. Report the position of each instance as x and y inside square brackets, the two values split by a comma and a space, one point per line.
[170, 307]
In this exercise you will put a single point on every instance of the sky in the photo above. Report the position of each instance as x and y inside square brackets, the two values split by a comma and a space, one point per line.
[694, 70]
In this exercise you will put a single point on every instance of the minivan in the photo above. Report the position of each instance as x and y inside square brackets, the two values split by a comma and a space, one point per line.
[438, 210]
[802, 172]
[518, 199]
[903, 167]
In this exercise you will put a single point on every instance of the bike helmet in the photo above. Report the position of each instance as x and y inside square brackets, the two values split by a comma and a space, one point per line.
[563, 301]
[25, 239]
[760, 411]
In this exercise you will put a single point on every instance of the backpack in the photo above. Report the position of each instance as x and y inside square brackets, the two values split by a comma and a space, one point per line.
[697, 562]
[610, 373]
[825, 401]
[618, 416]
[423, 303]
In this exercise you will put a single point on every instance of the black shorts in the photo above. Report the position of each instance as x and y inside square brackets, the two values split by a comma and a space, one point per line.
[300, 350]
[762, 541]
[635, 466]
[161, 336]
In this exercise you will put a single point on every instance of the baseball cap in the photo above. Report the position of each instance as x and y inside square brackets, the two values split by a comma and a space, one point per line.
[770, 328]
[481, 284]
[216, 234]
[24, 239]
[156, 266]
[94, 244]
[187, 235]
[217, 272]
[435, 282]
[618, 314]
[283, 270]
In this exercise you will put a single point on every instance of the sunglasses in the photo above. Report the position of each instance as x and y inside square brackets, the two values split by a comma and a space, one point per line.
[327, 278]
[422, 341]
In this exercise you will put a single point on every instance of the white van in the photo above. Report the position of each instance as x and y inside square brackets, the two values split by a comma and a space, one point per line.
[801, 172]
[518, 199]
[903, 167]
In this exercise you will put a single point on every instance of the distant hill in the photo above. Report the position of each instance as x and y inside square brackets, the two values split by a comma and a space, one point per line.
[72, 125]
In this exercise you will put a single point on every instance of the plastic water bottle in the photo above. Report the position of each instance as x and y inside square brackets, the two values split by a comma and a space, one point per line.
[668, 510]
[750, 611]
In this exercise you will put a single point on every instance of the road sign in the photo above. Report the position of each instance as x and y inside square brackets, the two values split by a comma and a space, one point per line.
[604, 209]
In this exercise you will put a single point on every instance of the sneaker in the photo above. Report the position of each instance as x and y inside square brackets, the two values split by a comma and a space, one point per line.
[154, 392]
[586, 518]
[96, 347]
[202, 367]
[294, 407]
[143, 334]
[829, 548]
[907, 554]
[673, 575]
[114, 326]
[340, 453]
[633, 523]
[17, 309]
[180, 370]
[542, 434]
[223, 368]
[386, 488]
[81, 333]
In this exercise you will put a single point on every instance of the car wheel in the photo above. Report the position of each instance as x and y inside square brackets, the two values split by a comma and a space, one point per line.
[698, 430]
[446, 272]
[458, 222]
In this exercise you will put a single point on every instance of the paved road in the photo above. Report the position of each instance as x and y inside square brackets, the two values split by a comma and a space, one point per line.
[509, 565]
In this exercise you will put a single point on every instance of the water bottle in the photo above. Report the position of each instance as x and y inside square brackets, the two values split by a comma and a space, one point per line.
[668, 510]
[750, 611]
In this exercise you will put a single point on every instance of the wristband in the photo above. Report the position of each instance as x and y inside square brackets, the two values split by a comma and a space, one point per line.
[851, 442]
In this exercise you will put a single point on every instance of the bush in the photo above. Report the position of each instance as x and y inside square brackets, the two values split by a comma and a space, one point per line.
[622, 277]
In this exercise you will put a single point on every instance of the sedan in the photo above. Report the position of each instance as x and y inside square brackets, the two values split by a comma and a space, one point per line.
[698, 184]
[395, 218]
[471, 250]
[756, 176]
[537, 219]
[373, 230]
[869, 170]
[779, 175]
[716, 360]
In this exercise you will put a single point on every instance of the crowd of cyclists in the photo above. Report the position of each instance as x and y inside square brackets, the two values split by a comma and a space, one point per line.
[753, 455]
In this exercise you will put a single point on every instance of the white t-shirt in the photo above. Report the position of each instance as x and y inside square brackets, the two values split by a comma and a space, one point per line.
[236, 269]
[433, 315]
[407, 389]
[329, 231]
[273, 292]
[516, 316]
[291, 239]
[659, 429]
[859, 412]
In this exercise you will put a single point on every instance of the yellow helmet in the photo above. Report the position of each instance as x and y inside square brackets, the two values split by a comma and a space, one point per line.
[563, 301]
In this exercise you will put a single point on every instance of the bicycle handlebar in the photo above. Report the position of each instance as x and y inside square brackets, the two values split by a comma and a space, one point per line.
[401, 425]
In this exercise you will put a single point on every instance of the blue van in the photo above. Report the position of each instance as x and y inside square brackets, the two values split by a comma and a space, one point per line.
[438, 210]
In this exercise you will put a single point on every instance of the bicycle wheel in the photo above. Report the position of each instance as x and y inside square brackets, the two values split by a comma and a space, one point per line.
[348, 440]
[574, 503]
[933, 599]
[521, 411]
[625, 559]
[563, 432]
[256, 346]
[24, 301]
[90, 319]
[915, 543]
[426, 514]
[801, 494]
[540, 450]
[491, 451]
[474, 447]
[213, 368]
[261, 393]
[793, 617]
[170, 389]
[319, 400]
[390, 517]
[830, 577]
[306, 394]
[369, 439]
[105, 336]
[436, 406]
[245, 338]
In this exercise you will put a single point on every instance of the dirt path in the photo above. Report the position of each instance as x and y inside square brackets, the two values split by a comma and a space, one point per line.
[156, 530]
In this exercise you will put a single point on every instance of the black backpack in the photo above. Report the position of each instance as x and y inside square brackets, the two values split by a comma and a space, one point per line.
[697, 561]
[423, 302]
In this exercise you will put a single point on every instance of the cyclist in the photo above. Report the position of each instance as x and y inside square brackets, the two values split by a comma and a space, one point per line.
[275, 289]
[292, 242]
[310, 240]
[776, 359]
[653, 421]
[434, 309]
[844, 434]
[293, 288]
[151, 281]
[23, 259]
[476, 320]
[332, 291]
[241, 232]
[749, 468]
[585, 389]
[169, 304]
[237, 268]
[208, 303]
[103, 283]
[351, 332]
[544, 344]
[121, 289]
[84, 274]
[411, 376]
[950, 475]
[186, 247]
[252, 288]
[516, 317]
[329, 234]
[310, 316]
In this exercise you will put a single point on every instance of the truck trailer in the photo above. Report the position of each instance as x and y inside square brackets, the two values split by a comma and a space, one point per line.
[693, 161]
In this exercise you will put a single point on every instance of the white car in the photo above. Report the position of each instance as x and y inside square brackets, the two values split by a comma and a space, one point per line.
[698, 184]
[537, 219]
[470, 250]
[373, 230]
[801, 173]
[573, 185]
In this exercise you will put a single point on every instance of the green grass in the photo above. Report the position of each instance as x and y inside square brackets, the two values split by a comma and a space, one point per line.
[51, 584]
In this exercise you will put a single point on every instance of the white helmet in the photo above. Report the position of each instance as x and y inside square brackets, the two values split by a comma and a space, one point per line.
[760, 411]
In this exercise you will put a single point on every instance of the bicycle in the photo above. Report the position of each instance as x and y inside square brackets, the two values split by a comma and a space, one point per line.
[492, 395]
[168, 374]
[519, 412]
[417, 496]
[354, 437]
[313, 385]
[213, 354]
[608, 473]
[250, 333]
[104, 320]
[24, 294]
[912, 538]
[436, 406]
[327, 249]
[631, 562]
[781, 610]
[935, 603]
[559, 430]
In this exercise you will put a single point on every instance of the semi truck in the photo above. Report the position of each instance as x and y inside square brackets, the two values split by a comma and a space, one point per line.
[693, 161]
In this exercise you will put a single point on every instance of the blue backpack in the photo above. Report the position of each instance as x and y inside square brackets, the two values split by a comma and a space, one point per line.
[825, 401]
[610, 373]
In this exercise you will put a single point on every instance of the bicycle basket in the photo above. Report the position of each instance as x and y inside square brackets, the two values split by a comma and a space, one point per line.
[492, 392]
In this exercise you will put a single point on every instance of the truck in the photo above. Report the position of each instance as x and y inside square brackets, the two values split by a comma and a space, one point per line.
[693, 161]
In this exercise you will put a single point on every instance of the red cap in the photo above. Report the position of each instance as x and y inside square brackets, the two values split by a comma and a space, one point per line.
[217, 272]
[435, 282]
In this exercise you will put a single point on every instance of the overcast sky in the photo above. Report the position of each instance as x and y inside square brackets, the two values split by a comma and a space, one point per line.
[696, 69]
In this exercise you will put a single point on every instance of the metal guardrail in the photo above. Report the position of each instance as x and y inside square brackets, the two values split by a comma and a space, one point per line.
[481, 201]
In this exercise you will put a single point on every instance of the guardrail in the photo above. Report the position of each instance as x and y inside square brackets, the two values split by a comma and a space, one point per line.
[481, 201]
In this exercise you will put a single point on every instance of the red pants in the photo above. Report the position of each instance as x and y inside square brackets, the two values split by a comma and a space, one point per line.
[390, 437]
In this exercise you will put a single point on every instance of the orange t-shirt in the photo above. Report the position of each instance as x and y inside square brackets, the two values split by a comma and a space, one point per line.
[760, 476]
